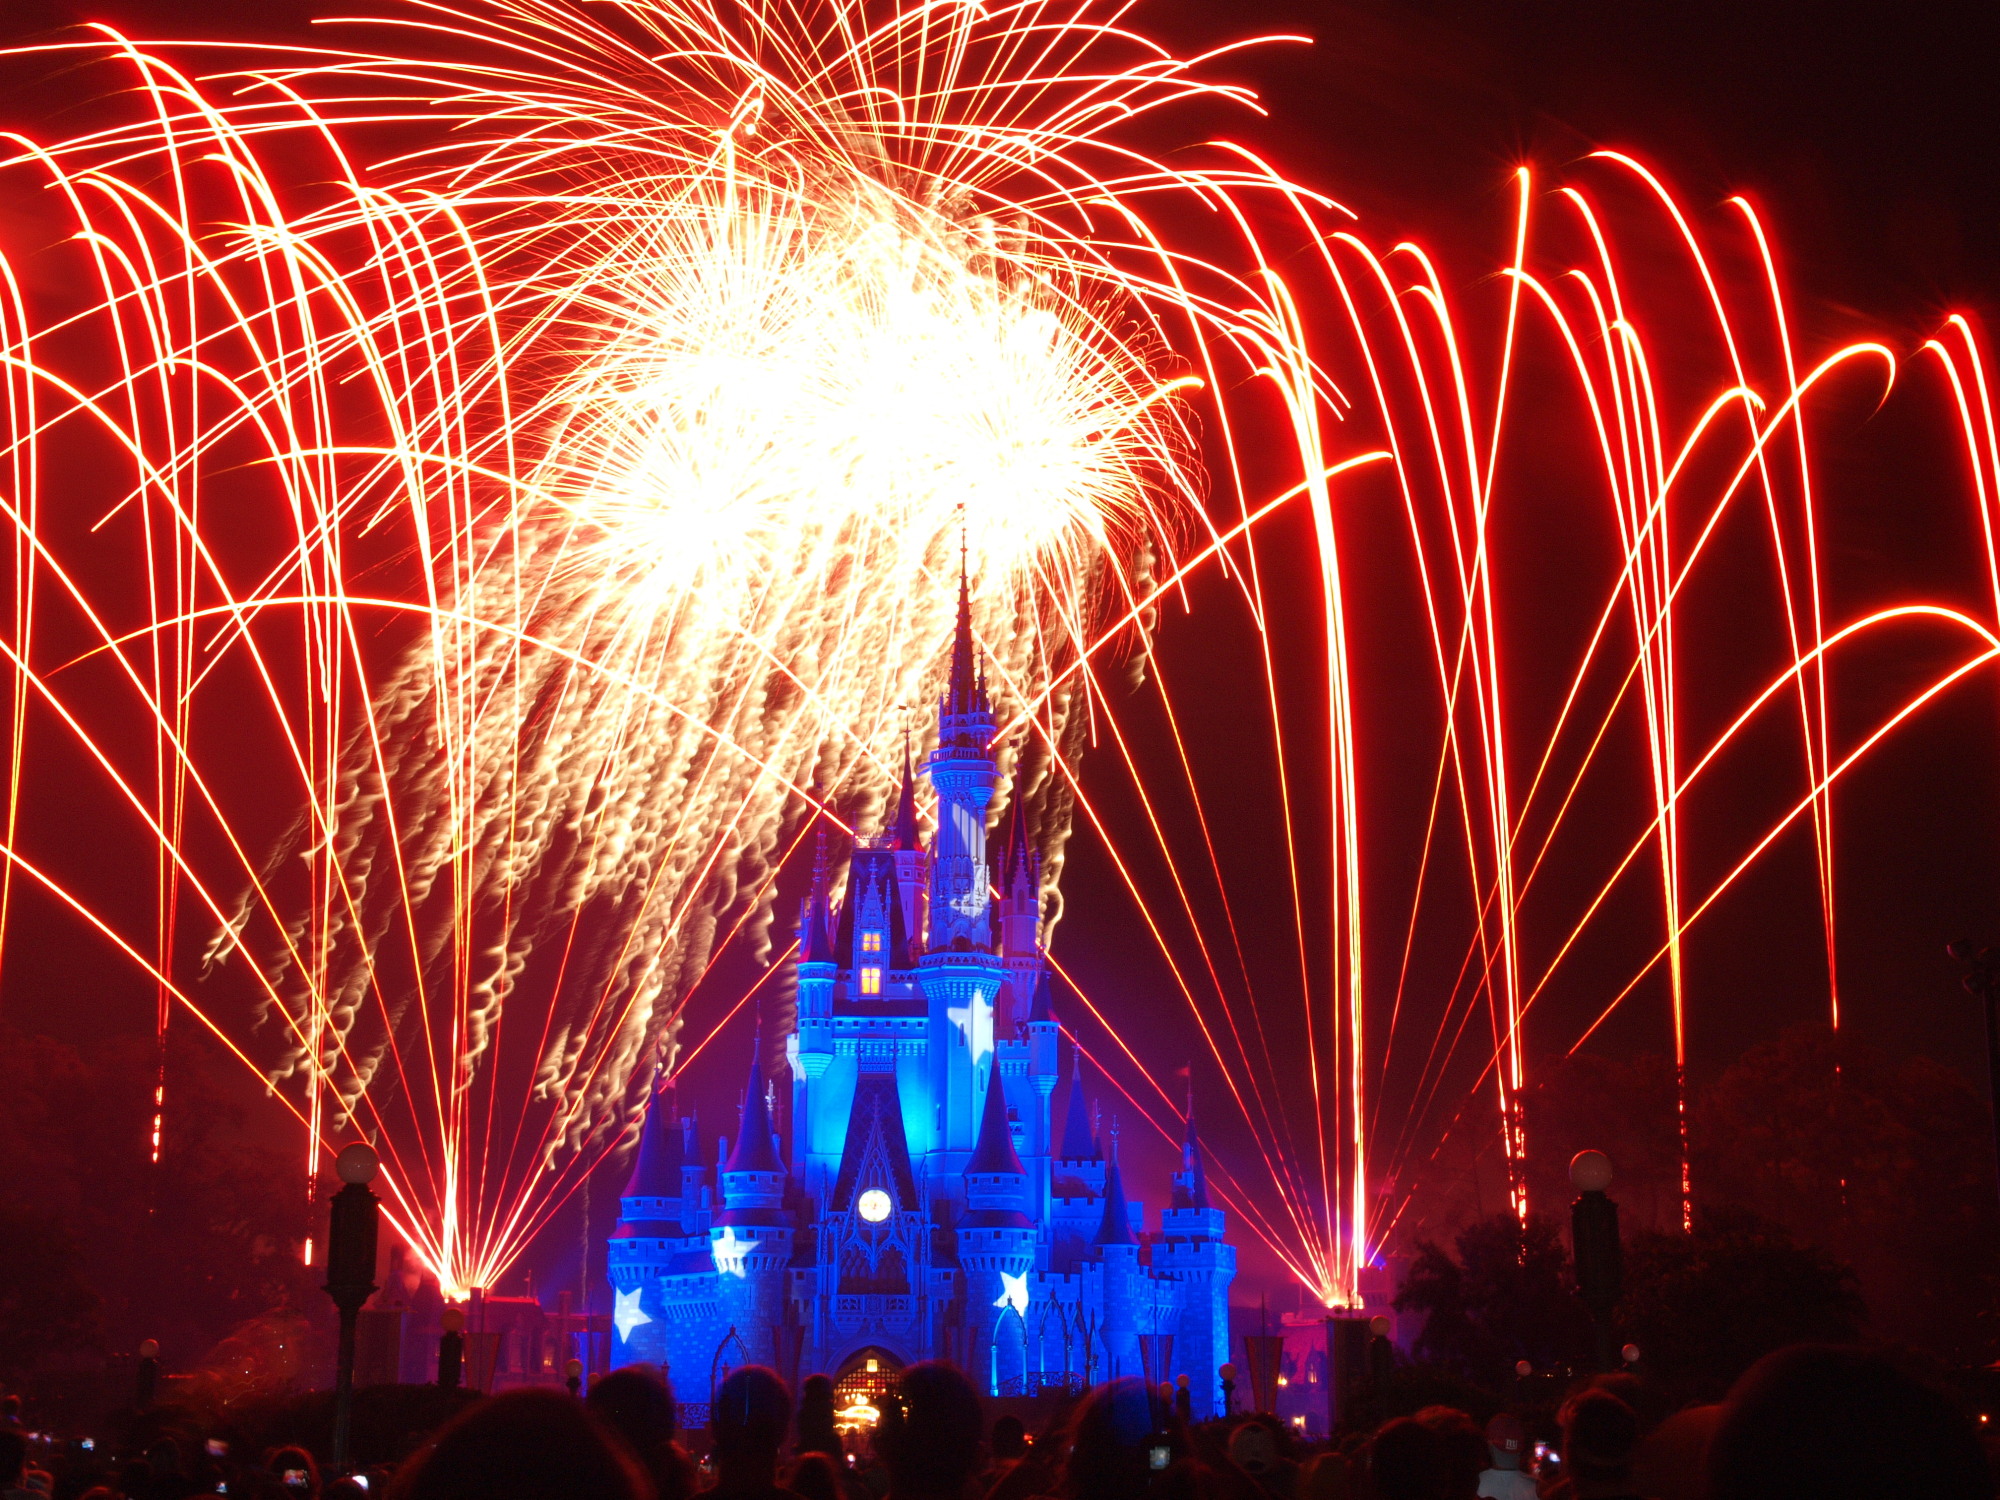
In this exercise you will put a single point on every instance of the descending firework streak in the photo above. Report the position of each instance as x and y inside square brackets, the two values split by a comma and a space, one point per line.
[531, 445]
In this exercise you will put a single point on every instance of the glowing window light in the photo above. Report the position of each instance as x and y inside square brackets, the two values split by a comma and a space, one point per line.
[871, 942]
[874, 1206]
[871, 981]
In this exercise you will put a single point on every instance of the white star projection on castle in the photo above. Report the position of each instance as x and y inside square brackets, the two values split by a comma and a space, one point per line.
[925, 1205]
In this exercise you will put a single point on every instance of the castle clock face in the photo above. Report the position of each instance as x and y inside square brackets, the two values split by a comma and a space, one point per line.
[874, 1206]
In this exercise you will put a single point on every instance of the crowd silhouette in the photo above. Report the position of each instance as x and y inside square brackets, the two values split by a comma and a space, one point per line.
[1811, 1422]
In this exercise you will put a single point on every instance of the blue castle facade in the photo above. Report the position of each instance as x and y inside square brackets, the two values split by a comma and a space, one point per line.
[926, 1205]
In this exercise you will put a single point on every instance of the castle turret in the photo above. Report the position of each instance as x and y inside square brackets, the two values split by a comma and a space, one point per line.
[751, 1242]
[963, 772]
[996, 1247]
[1192, 1251]
[1118, 1252]
[817, 971]
[959, 973]
[658, 1258]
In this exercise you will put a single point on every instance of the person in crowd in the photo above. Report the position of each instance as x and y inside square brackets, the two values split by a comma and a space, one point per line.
[523, 1445]
[817, 1431]
[1672, 1460]
[1505, 1476]
[1017, 1471]
[813, 1476]
[1109, 1454]
[1832, 1422]
[1254, 1449]
[13, 1459]
[1464, 1450]
[748, 1421]
[1599, 1436]
[929, 1437]
[1406, 1461]
[1326, 1476]
[638, 1404]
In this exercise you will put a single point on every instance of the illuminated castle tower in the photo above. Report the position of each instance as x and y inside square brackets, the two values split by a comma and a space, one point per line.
[923, 1205]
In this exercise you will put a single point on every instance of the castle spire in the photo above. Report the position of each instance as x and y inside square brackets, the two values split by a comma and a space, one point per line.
[1076, 1142]
[1194, 1184]
[967, 692]
[1042, 1006]
[818, 939]
[994, 1151]
[753, 1150]
[903, 827]
[1115, 1228]
[656, 1169]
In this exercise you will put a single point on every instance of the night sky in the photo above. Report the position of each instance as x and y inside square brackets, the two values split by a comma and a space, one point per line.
[1866, 136]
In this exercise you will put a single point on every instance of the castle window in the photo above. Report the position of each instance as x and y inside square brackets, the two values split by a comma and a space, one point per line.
[871, 981]
[871, 942]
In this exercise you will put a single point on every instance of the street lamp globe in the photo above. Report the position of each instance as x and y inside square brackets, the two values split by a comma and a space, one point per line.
[357, 1164]
[1590, 1171]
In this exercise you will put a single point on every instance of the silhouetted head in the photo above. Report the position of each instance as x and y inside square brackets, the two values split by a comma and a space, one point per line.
[817, 1432]
[814, 1477]
[749, 1418]
[1108, 1448]
[13, 1454]
[929, 1437]
[1010, 1437]
[1831, 1421]
[637, 1404]
[1463, 1453]
[1599, 1434]
[524, 1445]
[1407, 1461]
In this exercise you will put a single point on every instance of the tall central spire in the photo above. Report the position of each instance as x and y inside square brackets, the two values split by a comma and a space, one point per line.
[967, 692]
[963, 772]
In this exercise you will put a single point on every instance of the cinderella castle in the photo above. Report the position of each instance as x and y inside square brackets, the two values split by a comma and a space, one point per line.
[927, 1205]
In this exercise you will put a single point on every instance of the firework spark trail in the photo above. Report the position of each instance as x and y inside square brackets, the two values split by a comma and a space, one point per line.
[547, 440]
[668, 382]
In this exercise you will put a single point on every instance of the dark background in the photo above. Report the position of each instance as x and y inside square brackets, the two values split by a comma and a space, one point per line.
[1865, 134]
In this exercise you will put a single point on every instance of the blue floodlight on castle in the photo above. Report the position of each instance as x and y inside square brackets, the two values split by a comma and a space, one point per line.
[913, 1199]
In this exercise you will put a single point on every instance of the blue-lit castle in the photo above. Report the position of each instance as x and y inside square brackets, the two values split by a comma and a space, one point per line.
[926, 1205]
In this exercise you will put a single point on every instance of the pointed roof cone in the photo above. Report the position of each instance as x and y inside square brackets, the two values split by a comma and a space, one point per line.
[967, 691]
[1010, 847]
[994, 1151]
[817, 938]
[1196, 1189]
[1042, 1006]
[903, 827]
[1115, 1228]
[1076, 1142]
[656, 1170]
[753, 1151]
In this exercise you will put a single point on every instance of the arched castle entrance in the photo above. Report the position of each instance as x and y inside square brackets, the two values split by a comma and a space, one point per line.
[868, 1377]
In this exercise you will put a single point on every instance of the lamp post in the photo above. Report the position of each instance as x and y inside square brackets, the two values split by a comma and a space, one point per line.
[350, 1273]
[1982, 978]
[1228, 1375]
[1594, 1247]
